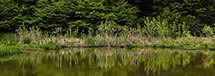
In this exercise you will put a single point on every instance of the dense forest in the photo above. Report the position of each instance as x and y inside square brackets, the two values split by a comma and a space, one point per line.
[195, 17]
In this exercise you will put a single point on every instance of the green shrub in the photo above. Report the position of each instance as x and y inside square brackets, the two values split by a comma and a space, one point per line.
[208, 31]
[212, 46]
[158, 27]
[8, 39]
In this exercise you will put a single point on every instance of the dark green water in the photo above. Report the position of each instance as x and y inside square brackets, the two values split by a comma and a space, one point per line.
[110, 62]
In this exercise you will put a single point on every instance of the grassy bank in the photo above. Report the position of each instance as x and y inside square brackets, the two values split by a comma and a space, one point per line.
[35, 38]
[157, 33]
[31, 39]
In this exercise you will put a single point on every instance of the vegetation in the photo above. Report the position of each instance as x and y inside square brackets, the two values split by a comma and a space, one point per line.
[28, 27]
[53, 24]
[35, 38]
[184, 16]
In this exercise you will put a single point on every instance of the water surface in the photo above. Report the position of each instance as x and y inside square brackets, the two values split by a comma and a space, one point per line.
[110, 62]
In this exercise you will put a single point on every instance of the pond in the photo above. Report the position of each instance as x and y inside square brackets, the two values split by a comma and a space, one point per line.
[110, 62]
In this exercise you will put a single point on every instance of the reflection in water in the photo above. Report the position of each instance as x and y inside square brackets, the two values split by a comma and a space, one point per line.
[110, 62]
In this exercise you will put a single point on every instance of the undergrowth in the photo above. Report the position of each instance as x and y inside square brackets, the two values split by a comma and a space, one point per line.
[156, 33]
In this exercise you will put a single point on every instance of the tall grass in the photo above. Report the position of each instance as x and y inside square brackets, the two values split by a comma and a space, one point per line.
[107, 35]
[29, 36]
[156, 32]
[8, 39]
[161, 28]
[8, 44]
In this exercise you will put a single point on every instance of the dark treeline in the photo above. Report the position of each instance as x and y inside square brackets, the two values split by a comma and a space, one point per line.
[92, 14]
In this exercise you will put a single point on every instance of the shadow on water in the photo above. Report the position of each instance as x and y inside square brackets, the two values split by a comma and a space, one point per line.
[110, 62]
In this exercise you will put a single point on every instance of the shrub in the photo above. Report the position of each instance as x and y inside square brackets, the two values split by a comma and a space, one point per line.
[158, 27]
[208, 31]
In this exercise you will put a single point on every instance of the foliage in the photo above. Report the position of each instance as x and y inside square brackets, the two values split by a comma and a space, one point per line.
[10, 50]
[29, 36]
[107, 22]
[194, 13]
[208, 31]
[158, 27]
[48, 15]
[8, 39]
[86, 16]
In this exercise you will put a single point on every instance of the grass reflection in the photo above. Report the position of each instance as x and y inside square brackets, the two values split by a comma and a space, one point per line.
[104, 60]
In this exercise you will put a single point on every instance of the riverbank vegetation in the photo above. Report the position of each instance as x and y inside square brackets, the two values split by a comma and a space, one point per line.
[55, 24]
[35, 38]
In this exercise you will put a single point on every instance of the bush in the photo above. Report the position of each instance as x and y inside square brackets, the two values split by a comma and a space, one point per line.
[208, 31]
[8, 39]
[159, 27]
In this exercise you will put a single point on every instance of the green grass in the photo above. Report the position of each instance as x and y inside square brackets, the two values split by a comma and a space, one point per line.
[9, 50]
[8, 39]
[55, 42]
[127, 38]
[41, 46]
